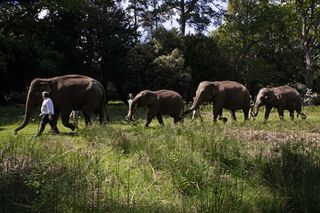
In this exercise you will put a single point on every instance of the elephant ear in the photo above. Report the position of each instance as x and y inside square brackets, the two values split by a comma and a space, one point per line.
[145, 98]
[44, 86]
[150, 98]
[271, 96]
[214, 90]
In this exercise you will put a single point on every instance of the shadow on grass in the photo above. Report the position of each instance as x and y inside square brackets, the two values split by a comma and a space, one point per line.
[67, 133]
[20, 194]
[294, 173]
[11, 114]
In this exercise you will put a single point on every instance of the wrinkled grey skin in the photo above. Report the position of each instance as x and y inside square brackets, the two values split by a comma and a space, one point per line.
[282, 98]
[161, 102]
[68, 92]
[229, 95]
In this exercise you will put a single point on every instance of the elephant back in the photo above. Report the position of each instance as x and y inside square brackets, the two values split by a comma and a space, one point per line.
[76, 91]
[170, 102]
[236, 95]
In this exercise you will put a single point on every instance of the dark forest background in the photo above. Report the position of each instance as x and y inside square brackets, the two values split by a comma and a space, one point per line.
[125, 45]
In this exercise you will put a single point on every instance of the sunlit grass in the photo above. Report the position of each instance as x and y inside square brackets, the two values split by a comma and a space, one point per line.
[193, 166]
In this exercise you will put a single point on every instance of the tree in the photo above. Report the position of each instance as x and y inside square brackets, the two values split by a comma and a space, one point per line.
[195, 13]
[146, 16]
[258, 37]
[309, 15]
[204, 57]
[72, 36]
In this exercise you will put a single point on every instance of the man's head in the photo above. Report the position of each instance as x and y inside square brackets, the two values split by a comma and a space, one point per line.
[45, 95]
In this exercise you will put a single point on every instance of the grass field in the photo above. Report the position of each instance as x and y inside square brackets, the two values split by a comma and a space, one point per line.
[190, 167]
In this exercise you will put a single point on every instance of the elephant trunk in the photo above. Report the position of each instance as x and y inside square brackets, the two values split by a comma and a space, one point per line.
[27, 115]
[132, 109]
[195, 106]
[256, 108]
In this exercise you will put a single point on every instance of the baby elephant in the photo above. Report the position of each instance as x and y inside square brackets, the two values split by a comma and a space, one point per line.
[282, 98]
[161, 102]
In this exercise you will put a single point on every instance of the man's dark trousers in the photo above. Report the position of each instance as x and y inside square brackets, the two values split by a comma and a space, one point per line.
[45, 119]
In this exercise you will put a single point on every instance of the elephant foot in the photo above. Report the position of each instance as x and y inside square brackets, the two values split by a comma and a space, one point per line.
[223, 119]
[54, 131]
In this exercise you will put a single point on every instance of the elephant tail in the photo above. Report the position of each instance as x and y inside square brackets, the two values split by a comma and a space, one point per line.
[187, 112]
[103, 114]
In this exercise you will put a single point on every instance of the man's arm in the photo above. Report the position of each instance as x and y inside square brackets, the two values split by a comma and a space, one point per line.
[50, 108]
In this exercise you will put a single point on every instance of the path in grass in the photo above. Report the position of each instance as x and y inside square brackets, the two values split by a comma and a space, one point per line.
[267, 136]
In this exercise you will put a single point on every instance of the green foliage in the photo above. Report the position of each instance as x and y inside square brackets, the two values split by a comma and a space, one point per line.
[87, 37]
[261, 40]
[258, 44]
[159, 64]
[212, 66]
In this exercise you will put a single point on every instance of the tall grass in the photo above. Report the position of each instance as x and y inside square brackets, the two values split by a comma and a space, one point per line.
[190, 167]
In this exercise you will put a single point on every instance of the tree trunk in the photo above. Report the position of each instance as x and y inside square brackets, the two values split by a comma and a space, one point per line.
[182, 18]
[309, 27]
[155, 14]
[135, 22]
[309, 71]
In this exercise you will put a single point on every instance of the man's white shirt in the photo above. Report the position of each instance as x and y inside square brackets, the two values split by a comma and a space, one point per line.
[47, 107]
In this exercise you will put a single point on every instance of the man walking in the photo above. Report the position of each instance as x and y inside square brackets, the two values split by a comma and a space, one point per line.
[47, 112]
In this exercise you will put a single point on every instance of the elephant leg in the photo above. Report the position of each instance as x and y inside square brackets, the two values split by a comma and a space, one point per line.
[221, 118]
[160, 119]
[65, 120]
[281, 113]
[299, 113]
[267, 112]
[102, 117]
[291, 114]
[87, 118]
[246, 114]
[54, 128]
[150, 116]
[176, 118]
[233, 115]
[217, 111]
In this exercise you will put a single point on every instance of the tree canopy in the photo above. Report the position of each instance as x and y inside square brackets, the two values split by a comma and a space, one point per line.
[142, 44]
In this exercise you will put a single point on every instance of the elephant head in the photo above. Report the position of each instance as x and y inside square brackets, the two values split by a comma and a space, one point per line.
[34, 98]
[266, 96]
[144, 98]
[205, 93]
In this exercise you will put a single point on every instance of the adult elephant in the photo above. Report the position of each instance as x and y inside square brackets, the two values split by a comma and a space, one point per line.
[161, 102]
[230, 95]
[282, 98]
[68, 92]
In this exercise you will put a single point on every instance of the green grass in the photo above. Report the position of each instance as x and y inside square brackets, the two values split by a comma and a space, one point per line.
[190, 167]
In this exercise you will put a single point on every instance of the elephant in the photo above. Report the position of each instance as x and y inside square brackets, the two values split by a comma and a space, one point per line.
[160, 102]
[68, 92]
[282, 98]
[230, 95]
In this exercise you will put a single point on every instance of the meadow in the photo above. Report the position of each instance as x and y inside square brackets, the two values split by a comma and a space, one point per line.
[190, 167]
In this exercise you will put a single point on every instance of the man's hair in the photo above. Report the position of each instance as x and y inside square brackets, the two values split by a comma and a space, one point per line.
[45, 94]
